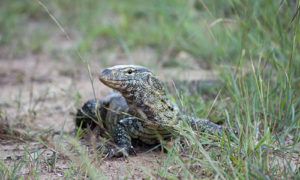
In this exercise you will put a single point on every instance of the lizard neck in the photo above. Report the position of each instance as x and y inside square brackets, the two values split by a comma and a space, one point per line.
[151, 103]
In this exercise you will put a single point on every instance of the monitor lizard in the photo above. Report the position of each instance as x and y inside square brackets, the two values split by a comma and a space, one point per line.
[139, 108]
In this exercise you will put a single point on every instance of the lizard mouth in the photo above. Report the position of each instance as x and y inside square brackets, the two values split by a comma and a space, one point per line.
[106, 80]
[112, 82]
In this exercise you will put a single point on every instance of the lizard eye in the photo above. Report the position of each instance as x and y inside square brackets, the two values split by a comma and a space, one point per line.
[129, 71]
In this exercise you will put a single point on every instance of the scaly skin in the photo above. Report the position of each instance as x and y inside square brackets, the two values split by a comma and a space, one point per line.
[140, 109]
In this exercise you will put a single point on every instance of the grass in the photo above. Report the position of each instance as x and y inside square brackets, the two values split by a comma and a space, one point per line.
[255, 41]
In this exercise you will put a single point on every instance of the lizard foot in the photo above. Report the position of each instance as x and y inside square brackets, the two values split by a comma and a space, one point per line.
[121, 152]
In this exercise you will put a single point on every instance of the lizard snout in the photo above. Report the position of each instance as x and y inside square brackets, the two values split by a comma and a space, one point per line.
[105, 75]
[110, 78]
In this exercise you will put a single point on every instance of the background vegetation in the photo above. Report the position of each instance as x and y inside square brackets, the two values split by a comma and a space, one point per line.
[254, 45]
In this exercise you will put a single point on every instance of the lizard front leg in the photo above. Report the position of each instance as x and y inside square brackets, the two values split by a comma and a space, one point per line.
[122, 138]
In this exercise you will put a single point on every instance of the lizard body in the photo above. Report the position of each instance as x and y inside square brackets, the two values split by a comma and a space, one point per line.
[139, 109]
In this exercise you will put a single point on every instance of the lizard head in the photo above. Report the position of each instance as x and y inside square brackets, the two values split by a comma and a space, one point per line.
[130, 78]
[120, 76]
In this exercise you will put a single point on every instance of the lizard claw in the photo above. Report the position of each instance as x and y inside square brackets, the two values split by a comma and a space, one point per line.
[131, 150]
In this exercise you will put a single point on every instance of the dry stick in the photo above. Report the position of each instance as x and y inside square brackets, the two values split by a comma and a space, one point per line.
[80, 57]
[31, 85]
[215, 100]
[77, 52]
[177, 92]
[206, 8]
[68, 38]
[207, 25]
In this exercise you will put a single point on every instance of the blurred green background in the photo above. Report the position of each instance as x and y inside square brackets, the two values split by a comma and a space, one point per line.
[227, 31]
